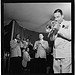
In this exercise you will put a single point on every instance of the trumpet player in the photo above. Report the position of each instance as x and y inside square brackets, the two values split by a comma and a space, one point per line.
[62, 43]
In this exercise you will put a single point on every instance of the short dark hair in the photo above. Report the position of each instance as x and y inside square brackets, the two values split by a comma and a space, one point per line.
[58, 10]
[17, 34]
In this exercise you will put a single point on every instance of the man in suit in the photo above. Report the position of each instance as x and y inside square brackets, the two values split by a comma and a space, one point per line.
[62, 44]
[40, 56]
[41, 46]
[15, 61]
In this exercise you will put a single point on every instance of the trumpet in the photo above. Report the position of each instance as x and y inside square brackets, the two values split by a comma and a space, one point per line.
[52, 29]
[55, 24]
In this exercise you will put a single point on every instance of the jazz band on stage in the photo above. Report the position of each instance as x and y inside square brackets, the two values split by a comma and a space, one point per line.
[59, 31]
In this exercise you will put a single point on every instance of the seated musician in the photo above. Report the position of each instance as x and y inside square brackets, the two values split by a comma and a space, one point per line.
[26, 56]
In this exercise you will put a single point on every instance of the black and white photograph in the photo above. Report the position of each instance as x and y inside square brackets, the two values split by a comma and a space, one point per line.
[37, 38]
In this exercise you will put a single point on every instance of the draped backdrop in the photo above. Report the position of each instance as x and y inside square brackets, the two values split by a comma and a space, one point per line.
[25, 33]
[7, 37]
[31, 35]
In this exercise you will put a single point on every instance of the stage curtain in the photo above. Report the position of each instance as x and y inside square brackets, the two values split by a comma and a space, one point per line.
[18, 29]
[28, 34]
[25, 33]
